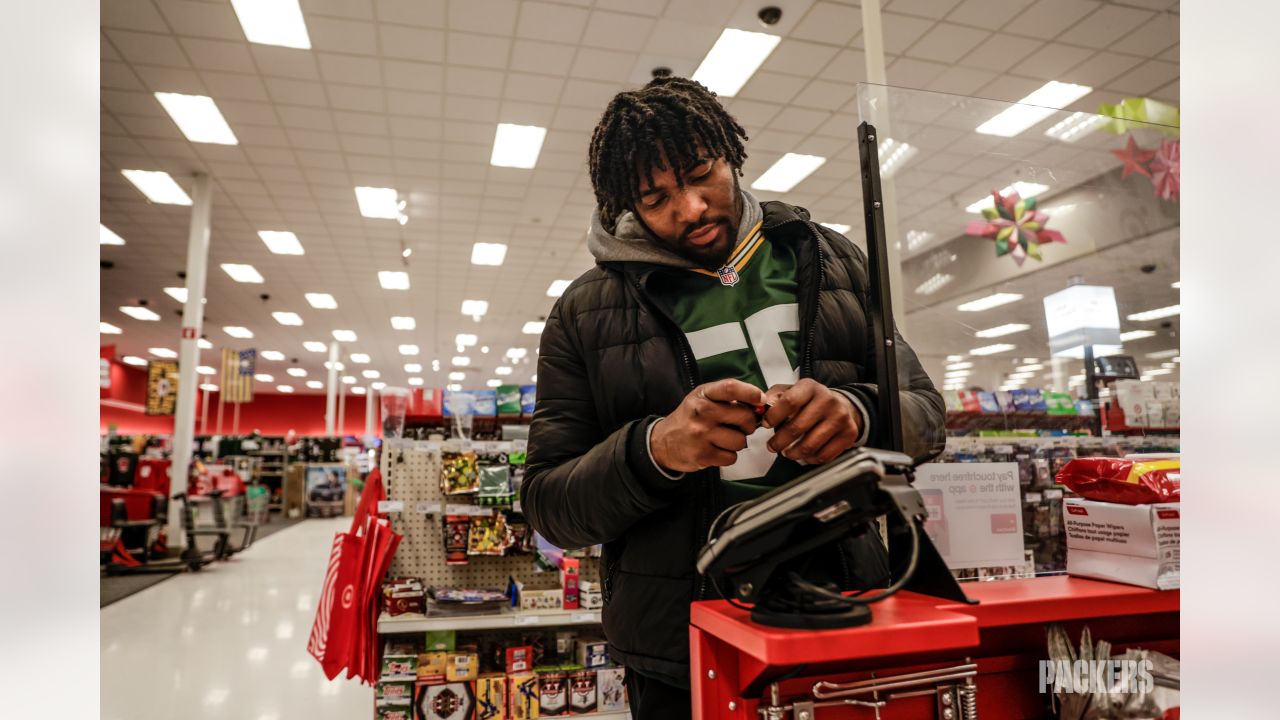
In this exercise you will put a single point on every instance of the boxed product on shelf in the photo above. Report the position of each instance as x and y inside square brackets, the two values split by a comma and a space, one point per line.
[446, 640]
[582, 691]
[390, 691]
[399, 661]
[553, 695]
[1021, 400]
[592, 652]
[519, 659]
[1004, 399]
[462, 666]
[528, 398]
[403, 595]
[611, 689]
[987, 403]
[491, 697]
[951, 400]
[566, 641]
[486, 402]
[459, 473]
[445, 701]
[489, 535]
[569, 575]
[457, 536]
[1133, 544]
[538, 599]
[508, 399]
[432, 664]
[394, 711]
[448, 601]
[524, 695]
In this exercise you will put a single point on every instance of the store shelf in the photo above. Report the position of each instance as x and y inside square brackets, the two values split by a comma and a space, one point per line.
[414, 623]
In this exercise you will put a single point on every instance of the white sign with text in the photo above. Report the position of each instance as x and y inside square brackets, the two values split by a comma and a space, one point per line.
[975, 513]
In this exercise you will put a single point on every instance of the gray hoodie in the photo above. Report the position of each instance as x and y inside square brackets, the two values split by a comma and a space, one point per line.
[630, 242]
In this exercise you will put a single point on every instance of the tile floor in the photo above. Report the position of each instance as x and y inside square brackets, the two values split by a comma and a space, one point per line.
[229, 641]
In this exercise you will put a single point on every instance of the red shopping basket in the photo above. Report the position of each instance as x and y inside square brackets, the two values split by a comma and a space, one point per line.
[344, 634]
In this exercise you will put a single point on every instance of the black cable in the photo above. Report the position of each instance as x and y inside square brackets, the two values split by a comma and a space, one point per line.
[856, 600]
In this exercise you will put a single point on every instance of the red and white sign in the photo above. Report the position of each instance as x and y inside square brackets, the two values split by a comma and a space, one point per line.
[188, 333]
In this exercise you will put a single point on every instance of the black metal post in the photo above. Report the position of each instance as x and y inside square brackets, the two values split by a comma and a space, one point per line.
[1091, 389]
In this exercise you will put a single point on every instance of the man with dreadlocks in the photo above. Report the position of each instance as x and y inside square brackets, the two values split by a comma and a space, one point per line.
[704, 304]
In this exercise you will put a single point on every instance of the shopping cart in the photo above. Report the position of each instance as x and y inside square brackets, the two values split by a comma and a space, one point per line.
[257, 504]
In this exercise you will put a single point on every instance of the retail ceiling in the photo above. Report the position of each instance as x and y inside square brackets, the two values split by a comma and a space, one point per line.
[407, 94]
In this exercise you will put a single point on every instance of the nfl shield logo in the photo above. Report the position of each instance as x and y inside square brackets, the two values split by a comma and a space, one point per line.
[728, 276]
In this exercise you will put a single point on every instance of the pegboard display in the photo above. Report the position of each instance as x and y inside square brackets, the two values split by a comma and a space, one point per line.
[417, 507]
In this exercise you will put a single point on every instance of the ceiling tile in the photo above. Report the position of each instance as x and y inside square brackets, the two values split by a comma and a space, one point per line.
[414, 128]
[989, 14]
[201, 19]
[521, 113]
[1049, 18]
[961, 80]
[1106, 25]
[1051, 61]
[305, 118]
[458, 107]
[1152, 37]
[752, 114]
[401, 102]
[935, 9]
[901, 32]
[474, 81]
[411, 43]
[497, 17]
[1000, 52]
[553, 23]
[134, 15]
[912, 73]
[1097, 70]
[797, 57]
[366, 145]
[674, 39]
[799, 120]
[848, 66]
[120, 76]
[467, 49]
[148, 49]
[429, 13]
[947, 43]
[422, 77]
[599, 64]
[296, 92]
[1009, 88]
[285, 62]
[347, 36]
[352, 97]
[219, 55]
[532, 88]
[348, 69]
[829, 23]
[546, 58]
[617, 31]
[358, 9]
[1146, 78]
[771, 87]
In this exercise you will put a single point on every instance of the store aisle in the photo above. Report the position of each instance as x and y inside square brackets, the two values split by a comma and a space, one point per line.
[229, 641]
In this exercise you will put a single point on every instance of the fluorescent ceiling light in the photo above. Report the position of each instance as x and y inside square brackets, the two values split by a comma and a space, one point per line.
[465, 339]
[1021, 375]
[393, 280]
[517, 146]
[960, 366]
[106, 328]
[357, 391]
[281, 242]
[400, 322]
[1156, 314]
[315, 346]
[533, 327]
[517, 353]
[1030, 368]
[1136, 335]
[957, 374]
[236, 331]
[787, 172]
[315, 384]
[558, 287]
[1001, 330]
[415, 381]
[273, 22]
[377, 385]
[137, 312]
[348, 379]
[493, 383]
[1077, 352]
[287, 318]
[133, 360]
[457, 375]
[502, 370]
[408, 349]
[360, 358]
[158, 186]
[371, 374]
[297, 372]
[198, 118]
[454, 387]
[1074, 126]
[162, 352]
[413, 367]
[344, 335]
[461, 361]
[334, 366]
[1169, 365]
[934, 283]
[988, 302]
[284, 388]
[382, 203]
[206, 370]
[1163, 354]
[1158, 371]
[1177, 285]
[488, 253]
[271, 355]
[1033, 108]
[954, 358]
[893, 154]
[475, 308]
[1025, 190]
[204, 344]
[322, 301]
[106, 237]
[732, 61]
[917, 239]
[264, 377]
[838, 227]
[992, 349]
[208, 387]
[242, 273]
[177, 293]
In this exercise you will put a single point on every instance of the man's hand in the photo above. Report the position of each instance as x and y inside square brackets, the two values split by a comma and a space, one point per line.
[814, 423]
[708, 428]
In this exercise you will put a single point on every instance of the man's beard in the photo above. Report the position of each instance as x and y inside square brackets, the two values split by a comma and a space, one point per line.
[713, 256]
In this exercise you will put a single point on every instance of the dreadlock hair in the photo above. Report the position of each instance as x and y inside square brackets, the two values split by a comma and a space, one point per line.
[669, 116]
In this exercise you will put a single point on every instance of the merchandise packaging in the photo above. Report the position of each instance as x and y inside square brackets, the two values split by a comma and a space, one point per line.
[1021, 401]
[536, 599]
[1126, 481]
[524, 695]
[445, 640]
[951, 400]
[447, 601]
[1036, 400]
[553, 693]
[495, 484]
[569, 582]
[399, 662]
[566, 641]
[1059, 403]
[508, 399]
[403, 595]
[519, 659]
[395, 691]
[488, 535]
[491, 697]
[432, 664]
[591, 597]
[457, 535]
[611, 689]
[592, 653]
[446, 701]
[459, 473]
[462, 666]
[582, 691]
[427, 401]
[528, 398]
[988, 404]
[1133, 544]
[486, 402]
[394, 711]
[970, 402]
[1004, 399]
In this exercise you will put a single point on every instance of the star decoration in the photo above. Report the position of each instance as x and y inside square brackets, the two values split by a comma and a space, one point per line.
[1135, 159]
[1016, 226]
[1166, 172]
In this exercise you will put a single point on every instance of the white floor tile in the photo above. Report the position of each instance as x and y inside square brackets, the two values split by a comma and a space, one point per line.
[229, 641]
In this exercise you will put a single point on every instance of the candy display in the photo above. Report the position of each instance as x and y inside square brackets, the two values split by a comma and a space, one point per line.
[495, 484]
[459, 473]
[489, 535]
[457, 535]
[1128, 481]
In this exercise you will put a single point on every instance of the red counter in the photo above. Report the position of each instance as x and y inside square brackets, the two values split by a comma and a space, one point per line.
[733, 660]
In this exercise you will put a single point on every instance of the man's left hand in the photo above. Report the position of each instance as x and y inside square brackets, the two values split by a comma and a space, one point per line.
[814, 423]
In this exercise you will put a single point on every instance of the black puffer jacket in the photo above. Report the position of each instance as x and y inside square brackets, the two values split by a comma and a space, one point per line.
[611, 362]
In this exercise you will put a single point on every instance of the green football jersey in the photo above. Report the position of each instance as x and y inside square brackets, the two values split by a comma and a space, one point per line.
[743, 322]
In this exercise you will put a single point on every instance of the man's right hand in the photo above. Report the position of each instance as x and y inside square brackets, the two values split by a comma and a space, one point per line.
[708, 428]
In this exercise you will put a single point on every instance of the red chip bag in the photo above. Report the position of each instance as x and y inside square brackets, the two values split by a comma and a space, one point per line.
[1134, 481]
